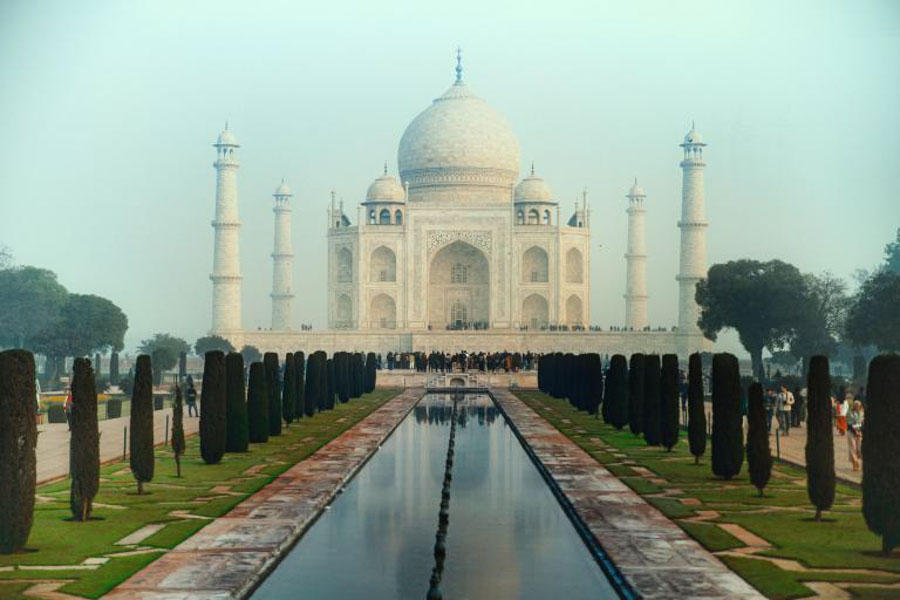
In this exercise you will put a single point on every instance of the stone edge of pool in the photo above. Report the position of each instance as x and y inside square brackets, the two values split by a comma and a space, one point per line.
[654, 555]
[231, 556]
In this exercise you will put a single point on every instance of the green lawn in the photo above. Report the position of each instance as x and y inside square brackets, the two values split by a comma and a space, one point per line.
[783, 516]
[203, 490]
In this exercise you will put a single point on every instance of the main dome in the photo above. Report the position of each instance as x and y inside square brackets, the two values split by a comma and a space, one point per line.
[459, 139]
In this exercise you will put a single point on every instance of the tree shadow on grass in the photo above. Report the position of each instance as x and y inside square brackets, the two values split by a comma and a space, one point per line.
[91, 518]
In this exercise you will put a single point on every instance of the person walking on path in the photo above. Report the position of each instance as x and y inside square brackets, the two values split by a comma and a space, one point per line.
[786, 408]
[855, 420]
[191, 395]
[67, 407]
[841, 408]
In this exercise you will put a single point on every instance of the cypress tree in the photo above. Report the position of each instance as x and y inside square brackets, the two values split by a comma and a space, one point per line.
[114, 368]
[759, 455]
[258, 404]
[371, 372]
[728, 431]
[880, 448]
[652, 400]
[142, 423]
[84, 445]
[178, 429]
[608, 394]
[618, 410]
[361, 373]
[669, 401]
[342, 376]
[288, 389]
[329, 396]
[300, 387]
[696, 407]
[273, 392]
[182, 365]
[312, 384]
[212, 408]
[541, 375]
[355, 391]
[636, 394]
[322, 373]
[237, 436]
[819, 441]
[18, 441]
[595, 382]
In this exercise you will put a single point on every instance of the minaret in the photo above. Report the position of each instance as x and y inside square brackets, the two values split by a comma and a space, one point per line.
[282, 261]
[693, 226]
[226, 275]
[636, 261]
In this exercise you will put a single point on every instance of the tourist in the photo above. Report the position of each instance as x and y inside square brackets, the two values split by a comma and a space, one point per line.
[67, 407]
[855, 420]
[841, 409]
[769, 401]
[786, 409]
[191, 395]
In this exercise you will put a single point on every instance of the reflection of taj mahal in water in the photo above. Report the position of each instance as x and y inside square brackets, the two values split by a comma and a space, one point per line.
[458, 253]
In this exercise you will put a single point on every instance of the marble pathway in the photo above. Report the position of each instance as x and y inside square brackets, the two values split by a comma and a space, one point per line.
[654, 555]
[229, 557]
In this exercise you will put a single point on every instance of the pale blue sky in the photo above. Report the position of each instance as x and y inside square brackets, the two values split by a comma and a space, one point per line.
[108, 110]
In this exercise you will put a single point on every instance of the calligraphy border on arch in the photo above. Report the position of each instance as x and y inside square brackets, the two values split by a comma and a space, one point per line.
[480, 239]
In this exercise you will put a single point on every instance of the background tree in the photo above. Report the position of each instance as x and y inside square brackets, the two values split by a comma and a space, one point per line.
[636, 394]
[237, 436]
[300, 387]
[892, 255]
[873, 316]
[178, 444]
[727, 432]
[84, 444]
[880, 448]
[251, 354]
[288, 389]
[696, 408]
[652, 400]
[164, 350]
[273, 392]
[182, 365]
[18, 443]
[820, 479]
[258, 404]
[371, 372]
[784, 360]
[821, 322]
[114, 368]
[669, 405]
[762, 301]
[212, 408]
[30, 302]
[759, 455]
[142, 423]
[208, 343]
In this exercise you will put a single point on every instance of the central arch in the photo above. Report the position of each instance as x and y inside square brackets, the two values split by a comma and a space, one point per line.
[383, 265]
[383, 312]
[458, 288]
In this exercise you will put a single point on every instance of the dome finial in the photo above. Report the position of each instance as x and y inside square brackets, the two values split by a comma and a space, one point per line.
[226, 124]
[385, 167]
[692, 126]
[459, 68]
[532, 168]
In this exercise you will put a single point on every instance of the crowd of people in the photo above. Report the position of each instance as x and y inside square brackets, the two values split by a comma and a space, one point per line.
[443, 362]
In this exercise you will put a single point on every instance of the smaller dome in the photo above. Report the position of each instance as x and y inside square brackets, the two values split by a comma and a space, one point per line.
[282, 190]
[692, 137]
[386, 188]
[636, 190]
[533, 189]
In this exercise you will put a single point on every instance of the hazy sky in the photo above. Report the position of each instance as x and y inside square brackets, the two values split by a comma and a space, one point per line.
[108, 110]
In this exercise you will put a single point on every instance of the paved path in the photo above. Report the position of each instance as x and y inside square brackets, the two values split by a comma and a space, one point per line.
[654, 554]
[793, 449]
[231, 555]
[53, 442]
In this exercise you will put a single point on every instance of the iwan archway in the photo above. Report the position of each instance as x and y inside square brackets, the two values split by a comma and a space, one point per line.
[459, 288]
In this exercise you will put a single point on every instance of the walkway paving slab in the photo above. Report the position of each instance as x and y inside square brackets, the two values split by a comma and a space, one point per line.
[231, 555]
[655, 556]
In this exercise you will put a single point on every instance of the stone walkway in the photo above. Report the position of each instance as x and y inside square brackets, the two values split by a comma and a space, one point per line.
[655, 556]
[793, 450]
[230, 556]
[53, 442]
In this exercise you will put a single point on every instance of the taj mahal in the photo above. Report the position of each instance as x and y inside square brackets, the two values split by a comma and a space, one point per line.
[459, 253]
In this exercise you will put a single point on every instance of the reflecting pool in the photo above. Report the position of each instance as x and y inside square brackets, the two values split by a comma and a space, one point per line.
[508, 537]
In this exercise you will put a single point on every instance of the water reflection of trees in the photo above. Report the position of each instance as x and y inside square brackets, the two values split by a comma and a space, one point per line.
[440, 414]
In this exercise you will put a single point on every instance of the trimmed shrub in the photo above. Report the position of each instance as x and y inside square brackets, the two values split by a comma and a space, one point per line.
[594, 368]
[288, 390]
[618, 409]
[300, 385]
[258, 404]
[652, 400]
[696, 407]
[141, 446]
[355, 367]
[669, 401]
[636, 394]
[880, 448]
[313, 383]
[371, 372]
[329, 395]
[84, 444]
[113, 408]
[342, 376]
[820, 480]
[237, 436]
[212, 408]
[18, 443]
[728, 432]
[759, 455]
[178, 444]
[273, 392]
